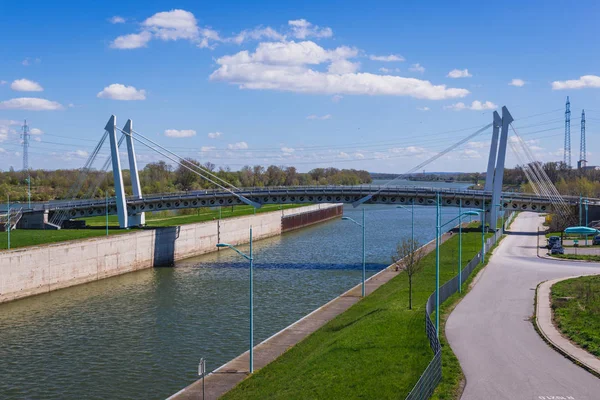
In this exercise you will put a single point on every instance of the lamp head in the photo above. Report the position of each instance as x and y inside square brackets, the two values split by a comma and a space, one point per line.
[346, 218]
[471, 213]
[222, 245]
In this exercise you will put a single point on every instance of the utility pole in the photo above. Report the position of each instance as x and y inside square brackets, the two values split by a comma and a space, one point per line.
[582, 151]
[567, 155]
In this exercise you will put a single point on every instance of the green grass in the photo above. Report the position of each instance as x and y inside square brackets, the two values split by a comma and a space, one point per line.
[155, 220]
[586, 257]
[576, 306]
[33, 237]
[376, 349]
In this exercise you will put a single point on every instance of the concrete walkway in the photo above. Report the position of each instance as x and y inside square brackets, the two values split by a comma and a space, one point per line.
[229, 375]
[492, 334]
[547, 329]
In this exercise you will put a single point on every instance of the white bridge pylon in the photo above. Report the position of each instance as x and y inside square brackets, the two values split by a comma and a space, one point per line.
[493, 181]
[125, 221]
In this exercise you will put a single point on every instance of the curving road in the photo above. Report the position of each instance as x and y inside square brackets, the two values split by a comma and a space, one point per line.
[501, 354]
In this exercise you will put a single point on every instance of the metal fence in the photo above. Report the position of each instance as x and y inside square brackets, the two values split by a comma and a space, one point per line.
[432, 375]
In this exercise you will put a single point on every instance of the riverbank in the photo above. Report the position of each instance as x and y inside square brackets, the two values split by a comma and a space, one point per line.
[372, 334]
[40, 269]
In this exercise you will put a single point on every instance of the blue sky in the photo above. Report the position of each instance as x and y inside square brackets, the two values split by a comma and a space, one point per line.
[378, 86]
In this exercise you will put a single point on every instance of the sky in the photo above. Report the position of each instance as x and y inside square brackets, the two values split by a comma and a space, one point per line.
[381, 86]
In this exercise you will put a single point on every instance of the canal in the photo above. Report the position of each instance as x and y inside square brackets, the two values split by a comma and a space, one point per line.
[141, 335]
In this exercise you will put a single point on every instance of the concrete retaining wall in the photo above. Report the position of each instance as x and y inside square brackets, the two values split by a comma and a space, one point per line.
[33, 270]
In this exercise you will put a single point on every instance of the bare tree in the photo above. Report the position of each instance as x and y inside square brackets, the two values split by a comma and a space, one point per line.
[409, 256]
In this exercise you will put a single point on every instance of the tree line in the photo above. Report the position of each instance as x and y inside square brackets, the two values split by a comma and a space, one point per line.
[160, 177]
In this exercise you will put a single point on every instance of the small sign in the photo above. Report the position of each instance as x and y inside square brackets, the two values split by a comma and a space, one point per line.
[202, 367]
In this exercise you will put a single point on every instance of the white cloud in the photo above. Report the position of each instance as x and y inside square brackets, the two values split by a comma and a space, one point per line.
[385, 70]
[407, 151]
[477, 145]
[257, 34]
[36, 131]
[323, 117]
[176, 133]
[359, 156]
[343, 67]
[517, 82]
[31, 104]
[117, 91]
[131, 41]
[284, 66]
[172, 25]
[287, 150]
[417, 68]
[336, 98]
[302, 29]
[459, 73]
[237, 146]
[116, 20]
[205, 149]
[423, 108]
[468, 154]
[214, 135]
[25, 85]
[586, 81]
[390, 58]
[28, 61]
[475, 106]
[77, 154]
[343, 155]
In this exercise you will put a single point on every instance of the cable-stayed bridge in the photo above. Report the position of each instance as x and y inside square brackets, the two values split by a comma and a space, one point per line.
[130, 210]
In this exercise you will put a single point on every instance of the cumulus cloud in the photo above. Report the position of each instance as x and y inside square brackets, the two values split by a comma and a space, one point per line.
[205, 149]
[475, 106]
[323, 117]
[586, 81]
[336, 98]
[407, 151]
[214, 135]
[302, 29]
[477, 145]
[287, 150]
[257, 34]
[285, 66]
[390, 58]
[423, 108]
[468, 154]
[517, 82]
[77, 154]
[459, 73]
[343, 67]
[176, 133]
[31, 104]
[25, 85]
[36, 131]
[237, 146]
[131, 41]
[343, 155]
[28, 61]
[117, 91]
[116, 20]
[172, 25]
[417, 68]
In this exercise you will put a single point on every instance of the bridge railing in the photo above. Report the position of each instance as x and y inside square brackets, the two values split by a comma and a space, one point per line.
[432, 375]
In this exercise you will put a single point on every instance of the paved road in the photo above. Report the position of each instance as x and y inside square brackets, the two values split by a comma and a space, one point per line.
[490, 332]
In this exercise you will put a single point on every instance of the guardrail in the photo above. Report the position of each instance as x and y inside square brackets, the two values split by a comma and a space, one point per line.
[432, 375]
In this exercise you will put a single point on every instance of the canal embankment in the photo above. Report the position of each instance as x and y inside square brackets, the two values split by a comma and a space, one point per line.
[40, 269]
[319, 353]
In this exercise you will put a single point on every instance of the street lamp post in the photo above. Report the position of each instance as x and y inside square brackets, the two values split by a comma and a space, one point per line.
[363, 247]
[29, 191]
[586, 220]
[251, 259]
[106, 195]
[8, 217]
[483, 232]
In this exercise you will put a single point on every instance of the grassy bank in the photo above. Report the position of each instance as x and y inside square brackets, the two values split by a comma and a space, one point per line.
[376, 349]
[585, 257]
[162, 219]
[576, 307]
[34, 237]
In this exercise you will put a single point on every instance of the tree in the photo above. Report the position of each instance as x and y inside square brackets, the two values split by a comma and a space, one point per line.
[409, 256]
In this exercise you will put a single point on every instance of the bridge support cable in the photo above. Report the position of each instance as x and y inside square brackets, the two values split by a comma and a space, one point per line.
[183, 160]
[92, 190]
[81, 177]
[525, 167]
[141, 138]
[544, 182]
[423, 164]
